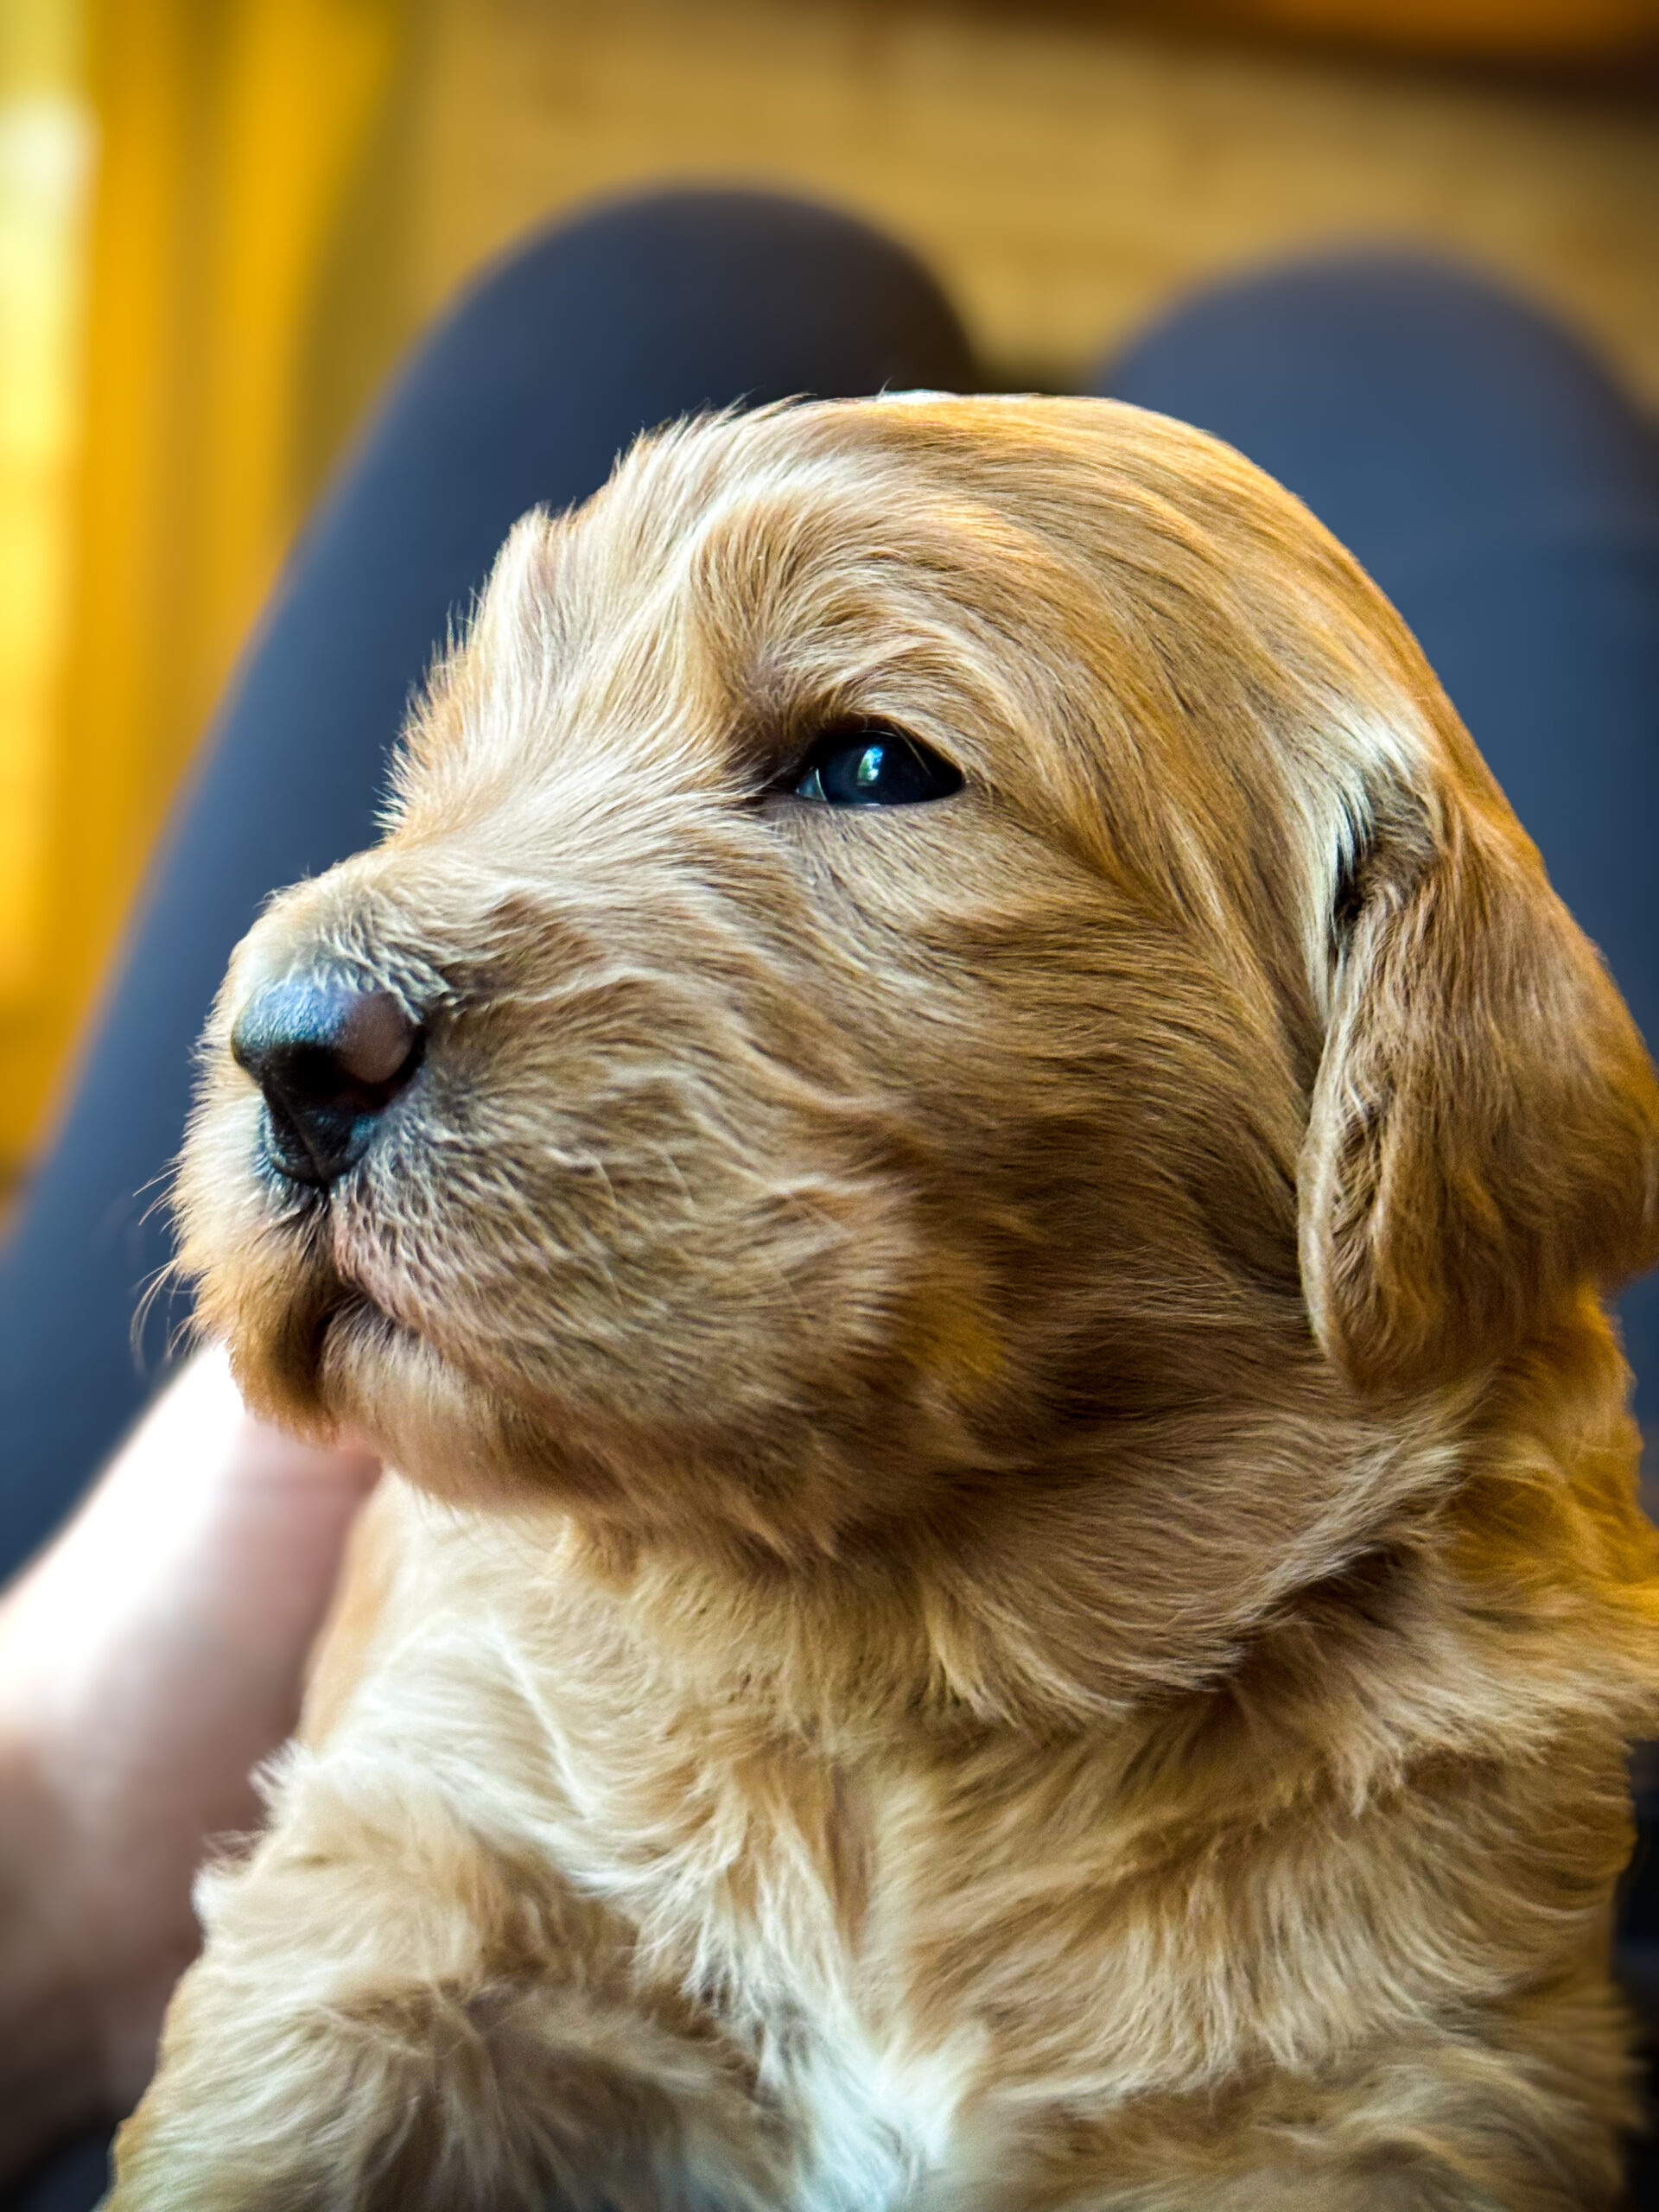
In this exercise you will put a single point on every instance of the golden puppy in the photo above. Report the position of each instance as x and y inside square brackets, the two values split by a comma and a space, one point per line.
[962, 1154]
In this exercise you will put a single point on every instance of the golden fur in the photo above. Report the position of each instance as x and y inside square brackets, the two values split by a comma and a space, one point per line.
[1015, 1585]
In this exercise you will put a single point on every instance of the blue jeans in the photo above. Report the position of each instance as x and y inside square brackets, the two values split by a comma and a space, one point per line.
[1478, 461]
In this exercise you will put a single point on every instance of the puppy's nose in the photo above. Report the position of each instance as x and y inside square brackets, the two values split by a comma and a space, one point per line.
[330, 1057]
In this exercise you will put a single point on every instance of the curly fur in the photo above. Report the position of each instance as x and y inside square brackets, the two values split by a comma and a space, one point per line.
[1015, 1583]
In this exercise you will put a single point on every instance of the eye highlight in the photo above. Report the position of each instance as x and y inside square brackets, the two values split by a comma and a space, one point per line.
[873, 765]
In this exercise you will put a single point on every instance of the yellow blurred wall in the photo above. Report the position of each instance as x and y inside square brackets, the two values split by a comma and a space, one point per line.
[286, 188]
[46, 159]
[228, 134]
[1066, 172]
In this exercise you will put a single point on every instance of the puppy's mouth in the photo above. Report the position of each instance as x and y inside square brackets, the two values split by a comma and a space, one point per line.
[364, 1371]
[320, 1321]
[359, 1320]
[344, 1343]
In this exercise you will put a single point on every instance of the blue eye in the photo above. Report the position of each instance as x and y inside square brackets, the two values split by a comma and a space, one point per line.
[874, 766]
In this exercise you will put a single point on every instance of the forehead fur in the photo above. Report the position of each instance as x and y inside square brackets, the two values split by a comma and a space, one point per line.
[1114, 622]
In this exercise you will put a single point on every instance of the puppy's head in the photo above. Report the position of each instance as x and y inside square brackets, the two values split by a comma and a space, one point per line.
[925, 951]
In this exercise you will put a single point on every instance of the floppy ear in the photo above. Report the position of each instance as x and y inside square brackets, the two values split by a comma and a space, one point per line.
[1485, 1133]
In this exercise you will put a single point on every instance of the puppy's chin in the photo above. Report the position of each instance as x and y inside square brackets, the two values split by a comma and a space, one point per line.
[446, 1429]
[311, 1350]
[319, 1356]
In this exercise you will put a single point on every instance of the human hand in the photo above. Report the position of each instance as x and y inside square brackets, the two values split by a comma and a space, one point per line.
[150, 1658]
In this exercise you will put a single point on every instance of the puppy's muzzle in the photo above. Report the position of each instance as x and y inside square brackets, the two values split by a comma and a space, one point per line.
[330, 1056]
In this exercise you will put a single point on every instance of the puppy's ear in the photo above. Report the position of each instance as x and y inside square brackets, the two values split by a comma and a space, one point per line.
[1484, 1133]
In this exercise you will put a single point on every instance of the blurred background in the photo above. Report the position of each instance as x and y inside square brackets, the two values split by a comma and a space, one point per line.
[220, 220]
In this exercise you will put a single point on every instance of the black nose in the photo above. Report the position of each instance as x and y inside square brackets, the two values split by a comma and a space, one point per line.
[330, 1057]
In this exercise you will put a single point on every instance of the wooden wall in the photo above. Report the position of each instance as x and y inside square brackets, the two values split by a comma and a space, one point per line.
[1065, 177]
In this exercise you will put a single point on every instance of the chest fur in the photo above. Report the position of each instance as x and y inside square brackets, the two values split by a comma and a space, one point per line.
[914, 1939]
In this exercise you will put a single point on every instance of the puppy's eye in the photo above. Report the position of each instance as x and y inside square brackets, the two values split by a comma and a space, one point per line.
[874, 766]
